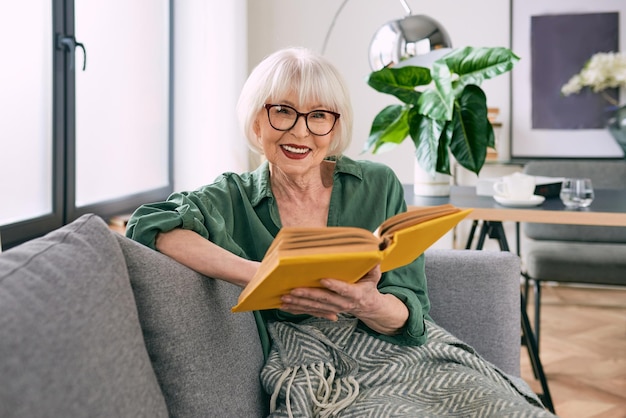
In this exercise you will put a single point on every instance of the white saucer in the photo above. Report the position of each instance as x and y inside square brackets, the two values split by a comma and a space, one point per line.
[533, 201]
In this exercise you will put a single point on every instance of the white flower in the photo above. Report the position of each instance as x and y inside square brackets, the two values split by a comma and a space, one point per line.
[604, 70]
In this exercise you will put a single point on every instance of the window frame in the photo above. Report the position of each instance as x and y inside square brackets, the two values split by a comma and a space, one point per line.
[64, 209]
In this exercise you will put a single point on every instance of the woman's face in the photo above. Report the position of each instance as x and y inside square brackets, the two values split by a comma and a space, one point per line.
[296, 151]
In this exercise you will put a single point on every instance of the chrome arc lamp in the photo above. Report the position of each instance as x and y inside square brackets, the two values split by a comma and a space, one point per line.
[416, 40]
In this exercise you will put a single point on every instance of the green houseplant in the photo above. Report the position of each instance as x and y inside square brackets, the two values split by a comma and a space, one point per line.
[444, 110]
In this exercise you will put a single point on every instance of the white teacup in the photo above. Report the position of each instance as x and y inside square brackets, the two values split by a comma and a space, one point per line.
[518, 186]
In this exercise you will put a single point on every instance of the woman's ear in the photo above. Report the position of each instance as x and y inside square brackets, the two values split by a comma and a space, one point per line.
[256, 127]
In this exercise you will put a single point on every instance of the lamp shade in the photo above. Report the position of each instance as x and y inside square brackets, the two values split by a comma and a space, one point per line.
[412, 36]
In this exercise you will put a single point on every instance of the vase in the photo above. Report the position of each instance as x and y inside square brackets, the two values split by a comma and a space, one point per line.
[427, 184]
[616, 125]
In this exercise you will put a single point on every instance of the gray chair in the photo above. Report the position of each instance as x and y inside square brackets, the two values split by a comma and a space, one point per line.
[574, 253]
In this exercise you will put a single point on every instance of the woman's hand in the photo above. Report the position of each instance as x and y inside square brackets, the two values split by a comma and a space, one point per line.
[383, 313]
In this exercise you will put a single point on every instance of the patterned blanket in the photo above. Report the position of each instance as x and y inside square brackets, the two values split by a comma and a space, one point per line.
[320, 368]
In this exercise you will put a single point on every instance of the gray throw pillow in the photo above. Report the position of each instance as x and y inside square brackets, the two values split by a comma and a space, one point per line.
[70, 340]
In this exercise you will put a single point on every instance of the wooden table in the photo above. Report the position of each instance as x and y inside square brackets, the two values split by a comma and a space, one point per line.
[607, 209]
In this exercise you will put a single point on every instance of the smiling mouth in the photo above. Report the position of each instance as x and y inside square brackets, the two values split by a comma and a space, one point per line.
[295, 149]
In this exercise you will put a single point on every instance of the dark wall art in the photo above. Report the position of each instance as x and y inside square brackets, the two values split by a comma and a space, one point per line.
[554, 40]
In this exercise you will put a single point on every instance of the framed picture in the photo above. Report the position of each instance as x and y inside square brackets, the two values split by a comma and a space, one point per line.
[554, 39]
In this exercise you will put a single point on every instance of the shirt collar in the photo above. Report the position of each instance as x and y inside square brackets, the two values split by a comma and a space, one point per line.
[346, 165]
[261, 176]
[261, 179]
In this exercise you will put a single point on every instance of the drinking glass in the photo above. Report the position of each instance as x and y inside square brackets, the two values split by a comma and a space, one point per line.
[576, 193]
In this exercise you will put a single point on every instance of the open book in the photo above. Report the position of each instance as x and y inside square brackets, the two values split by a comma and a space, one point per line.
[301, 257]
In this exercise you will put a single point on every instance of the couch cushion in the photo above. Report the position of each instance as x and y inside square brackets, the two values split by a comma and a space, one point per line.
[70, 340]
[207, 359]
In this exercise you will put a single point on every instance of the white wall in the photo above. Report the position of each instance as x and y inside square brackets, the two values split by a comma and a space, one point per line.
[210, 68]
[275, 24]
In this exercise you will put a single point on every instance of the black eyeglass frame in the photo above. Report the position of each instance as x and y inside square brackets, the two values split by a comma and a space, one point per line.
[268, 106]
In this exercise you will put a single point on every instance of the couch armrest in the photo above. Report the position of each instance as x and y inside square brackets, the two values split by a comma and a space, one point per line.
[475, 295]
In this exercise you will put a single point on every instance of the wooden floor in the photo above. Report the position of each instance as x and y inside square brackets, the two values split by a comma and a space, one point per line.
[583, 350]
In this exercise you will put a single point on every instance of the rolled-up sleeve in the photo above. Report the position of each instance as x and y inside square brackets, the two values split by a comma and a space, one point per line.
[181, 210]
[409, 285]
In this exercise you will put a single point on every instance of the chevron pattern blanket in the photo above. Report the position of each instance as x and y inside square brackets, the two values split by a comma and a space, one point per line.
[319, 368]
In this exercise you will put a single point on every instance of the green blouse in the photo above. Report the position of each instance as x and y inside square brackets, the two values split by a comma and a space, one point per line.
[239, 213]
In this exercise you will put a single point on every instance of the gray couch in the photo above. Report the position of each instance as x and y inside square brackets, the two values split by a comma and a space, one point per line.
[93, 324]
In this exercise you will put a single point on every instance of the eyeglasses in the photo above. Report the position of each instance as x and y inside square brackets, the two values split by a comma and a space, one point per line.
[318, 122]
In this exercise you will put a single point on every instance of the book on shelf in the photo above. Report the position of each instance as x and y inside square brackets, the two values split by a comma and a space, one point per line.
[301, 257]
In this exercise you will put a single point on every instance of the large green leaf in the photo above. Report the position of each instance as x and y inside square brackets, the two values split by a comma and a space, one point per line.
[474, 65]
[400, 82]
[437, 102]
[472, 132]
[425, 133]
[389, 126]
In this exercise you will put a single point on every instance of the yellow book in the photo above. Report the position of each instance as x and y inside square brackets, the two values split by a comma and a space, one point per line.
[301, 257]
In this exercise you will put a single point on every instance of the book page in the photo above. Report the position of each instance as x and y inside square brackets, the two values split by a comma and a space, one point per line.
[347, 248]
[288, 246]
[409, 243]
[413, 217]
[295, 238]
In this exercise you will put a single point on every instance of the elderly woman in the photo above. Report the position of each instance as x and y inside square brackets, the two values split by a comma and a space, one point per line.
[338, 349]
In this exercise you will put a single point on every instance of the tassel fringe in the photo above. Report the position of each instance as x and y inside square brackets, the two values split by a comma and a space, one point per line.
[327, 398]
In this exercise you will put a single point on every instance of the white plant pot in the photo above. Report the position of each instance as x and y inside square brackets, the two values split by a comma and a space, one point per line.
[426, 184]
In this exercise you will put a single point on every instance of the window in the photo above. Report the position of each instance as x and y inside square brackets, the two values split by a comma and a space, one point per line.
[83, 140]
